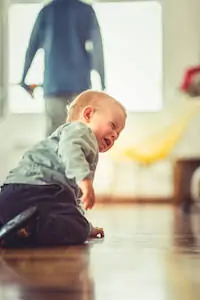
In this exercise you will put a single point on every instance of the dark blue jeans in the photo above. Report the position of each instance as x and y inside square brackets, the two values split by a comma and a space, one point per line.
[59, 220]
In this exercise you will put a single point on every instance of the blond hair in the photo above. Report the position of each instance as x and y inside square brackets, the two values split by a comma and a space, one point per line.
[89, 97]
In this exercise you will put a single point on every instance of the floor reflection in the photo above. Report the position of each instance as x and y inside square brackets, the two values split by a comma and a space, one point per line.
[47, 274]
[186, 230]
[149, 252]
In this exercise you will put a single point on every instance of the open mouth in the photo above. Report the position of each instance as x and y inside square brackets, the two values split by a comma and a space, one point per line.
[107, 141]
[105, 144]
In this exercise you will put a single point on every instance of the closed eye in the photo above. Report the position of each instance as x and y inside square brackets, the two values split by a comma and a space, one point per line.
[113, 125]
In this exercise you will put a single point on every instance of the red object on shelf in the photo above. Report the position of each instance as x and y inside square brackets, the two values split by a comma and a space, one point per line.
[191, 76]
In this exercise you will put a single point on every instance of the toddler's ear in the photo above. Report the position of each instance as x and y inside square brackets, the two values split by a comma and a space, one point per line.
[87, 113]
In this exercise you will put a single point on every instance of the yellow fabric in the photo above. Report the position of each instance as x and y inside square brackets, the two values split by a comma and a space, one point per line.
[160, 145]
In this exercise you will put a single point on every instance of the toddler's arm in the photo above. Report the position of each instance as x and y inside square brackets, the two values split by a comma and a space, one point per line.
[88, 195]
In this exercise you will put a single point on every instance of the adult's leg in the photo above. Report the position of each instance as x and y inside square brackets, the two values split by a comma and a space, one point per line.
[59, 222]
[56, 111]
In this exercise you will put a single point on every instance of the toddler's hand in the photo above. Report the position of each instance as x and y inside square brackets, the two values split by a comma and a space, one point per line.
[97, 232]
[88, 196]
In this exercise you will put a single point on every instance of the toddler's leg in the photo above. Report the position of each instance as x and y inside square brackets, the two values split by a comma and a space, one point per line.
[59, 220]
[61, 224]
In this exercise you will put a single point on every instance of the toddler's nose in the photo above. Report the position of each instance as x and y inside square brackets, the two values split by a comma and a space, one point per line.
[114, 135]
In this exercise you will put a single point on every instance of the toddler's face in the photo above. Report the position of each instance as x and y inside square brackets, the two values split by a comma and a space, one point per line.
[107, 124]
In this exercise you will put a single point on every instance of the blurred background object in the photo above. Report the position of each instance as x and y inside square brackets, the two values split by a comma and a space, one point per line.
[69, 34]
[191, 82]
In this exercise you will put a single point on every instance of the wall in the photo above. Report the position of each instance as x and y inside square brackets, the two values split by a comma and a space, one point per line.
[3, 55]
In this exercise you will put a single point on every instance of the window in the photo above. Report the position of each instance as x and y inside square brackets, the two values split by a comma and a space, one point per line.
[132, 38]
[19, 34]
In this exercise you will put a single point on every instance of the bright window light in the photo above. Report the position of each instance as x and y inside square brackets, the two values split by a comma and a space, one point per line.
[21, 20]
[132, 39]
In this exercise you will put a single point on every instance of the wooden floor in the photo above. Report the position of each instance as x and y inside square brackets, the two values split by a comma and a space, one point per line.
[149, 252]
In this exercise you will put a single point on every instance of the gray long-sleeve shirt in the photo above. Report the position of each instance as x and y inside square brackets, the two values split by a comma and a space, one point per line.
[66, 157]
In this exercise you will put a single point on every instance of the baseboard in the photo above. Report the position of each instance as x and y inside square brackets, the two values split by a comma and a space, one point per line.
[128, 200]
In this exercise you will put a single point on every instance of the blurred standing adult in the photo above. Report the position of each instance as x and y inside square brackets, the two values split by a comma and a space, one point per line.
[69, 33]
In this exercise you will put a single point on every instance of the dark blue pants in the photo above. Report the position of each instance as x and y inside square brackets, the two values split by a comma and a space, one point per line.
[60, 221]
